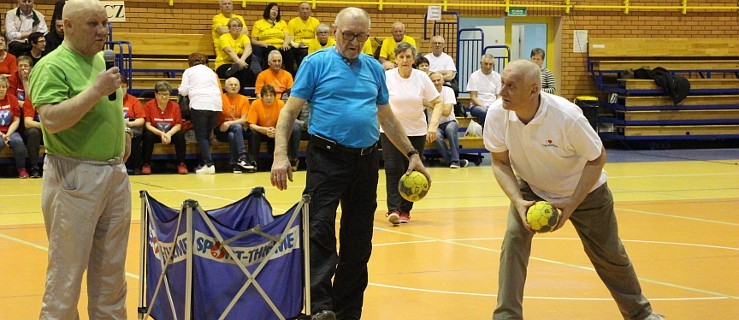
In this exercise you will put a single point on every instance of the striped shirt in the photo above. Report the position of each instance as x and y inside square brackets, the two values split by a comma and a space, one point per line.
[547, 81]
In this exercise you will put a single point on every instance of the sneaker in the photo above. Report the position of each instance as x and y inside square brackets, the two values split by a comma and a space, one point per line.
[463, 163]
[22, 173]
[246, 165]
[252, 168]
[393, 217]
[35, 172]
[324, 315]
[205, 169]
[136, 172]
[655, 316]
[454, 165]
[236, 169]
[146, 169]
[182, 168]
[405, 217]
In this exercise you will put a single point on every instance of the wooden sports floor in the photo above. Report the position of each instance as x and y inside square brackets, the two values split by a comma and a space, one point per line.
[678, 218]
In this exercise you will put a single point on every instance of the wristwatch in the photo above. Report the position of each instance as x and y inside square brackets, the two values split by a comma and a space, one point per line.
[411, 153]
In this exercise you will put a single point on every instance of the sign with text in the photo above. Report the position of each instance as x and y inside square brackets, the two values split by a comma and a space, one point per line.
[434, 13]
[116, 10]
[517, 12]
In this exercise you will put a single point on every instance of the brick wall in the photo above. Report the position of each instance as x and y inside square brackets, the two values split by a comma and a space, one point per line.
[194, 16]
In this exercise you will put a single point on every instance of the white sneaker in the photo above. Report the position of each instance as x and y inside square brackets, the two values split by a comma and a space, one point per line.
[463, 163]
[211, 169]
[454, 165]
[246, 165]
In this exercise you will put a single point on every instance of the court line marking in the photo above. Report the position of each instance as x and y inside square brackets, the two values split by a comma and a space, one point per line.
[571, 265]
[679, 217]
[623, 240]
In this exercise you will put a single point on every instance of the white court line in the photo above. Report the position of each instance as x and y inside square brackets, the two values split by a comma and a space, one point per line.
[40, 247]
[571, 265]
[678, 217]
[623, 240]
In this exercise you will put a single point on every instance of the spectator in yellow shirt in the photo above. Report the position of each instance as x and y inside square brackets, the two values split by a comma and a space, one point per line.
[220, 21]
[387, 52]
[322, 40]
[271, 33]
[303, 29]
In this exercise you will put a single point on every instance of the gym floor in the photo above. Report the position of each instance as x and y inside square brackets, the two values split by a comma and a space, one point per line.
[676, 219]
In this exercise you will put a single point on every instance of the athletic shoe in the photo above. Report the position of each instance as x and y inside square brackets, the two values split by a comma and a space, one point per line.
[22, 173]
[246, 165]
[232, 69]
[405, 217]
[236, 169]
[324, 315]
[252, 168]
[393, 217]
[146, 169]
[454, 165]
[463, 163]
[181, 168]
[35, 172]
[206, 169]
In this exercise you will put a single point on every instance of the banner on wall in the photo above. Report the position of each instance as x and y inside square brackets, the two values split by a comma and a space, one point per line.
[116, 10]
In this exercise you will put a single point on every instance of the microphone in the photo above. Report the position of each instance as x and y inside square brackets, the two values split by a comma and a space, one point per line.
[109, 57]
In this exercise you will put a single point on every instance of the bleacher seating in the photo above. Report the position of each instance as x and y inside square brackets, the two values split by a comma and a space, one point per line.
[636, 109]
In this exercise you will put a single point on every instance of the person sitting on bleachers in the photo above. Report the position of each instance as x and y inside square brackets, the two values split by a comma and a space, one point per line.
[20, 22]
[231, 126]
[422, 64]
[233, 54]
[271, 33]
[163, 123]
[18, 82]
[135, 115]
[262, 119]
[323, 39]
[8, 63]
[441, 62]
[221, 21]
[483, 86]
[54, 37]
[448, 126]
[33, 137]
[387, 51]
[279, 79]
[548, 83]
[38, 46]
[10, 119]
[303, 29]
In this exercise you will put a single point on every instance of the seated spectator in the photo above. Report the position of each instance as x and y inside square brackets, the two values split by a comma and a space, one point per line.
[10, 119]
[33, 137]
[303, 29]
[441, 62]
[231, 126]
[163, 123]
[38, 46]
[279, 79]
[18, 82]
[20, 22]
[202, 86]
[222, 20]
[323, 39]
[548, 84]
[262, 119]
[271, 33]
[367, 48]
[483, 86]
[233, 54]
[387, 51]
[422, 64]
[448, 126]
[135, 115]
[8, 63]
[55, 37]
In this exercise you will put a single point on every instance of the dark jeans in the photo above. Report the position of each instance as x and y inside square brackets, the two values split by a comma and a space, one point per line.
[203, 122]
[256, 138]
[178, 139]
[448, 130]
[33, 144]
[395, 166]
[19, 149]
[247, 77]
[480, 113]
[288, 59]
[235, 137]
[349, 179]
[134, 160]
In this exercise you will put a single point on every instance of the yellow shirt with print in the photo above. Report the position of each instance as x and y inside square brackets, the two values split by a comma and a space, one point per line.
[301, 30]
[221, 20]
[273, 35]
[388, 47]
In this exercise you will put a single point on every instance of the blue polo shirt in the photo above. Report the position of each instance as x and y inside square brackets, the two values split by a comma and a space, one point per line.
[343, 97]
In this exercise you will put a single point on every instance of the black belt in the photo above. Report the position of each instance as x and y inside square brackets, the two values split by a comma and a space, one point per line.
[332, 146]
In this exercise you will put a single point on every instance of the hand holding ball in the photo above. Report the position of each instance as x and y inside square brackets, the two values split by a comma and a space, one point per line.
[542, 216]
[414, 186]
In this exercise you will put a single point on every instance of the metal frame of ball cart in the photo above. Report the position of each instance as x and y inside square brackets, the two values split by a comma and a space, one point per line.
[188, 206]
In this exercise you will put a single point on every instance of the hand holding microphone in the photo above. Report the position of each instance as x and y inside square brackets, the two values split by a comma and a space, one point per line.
[111, 76]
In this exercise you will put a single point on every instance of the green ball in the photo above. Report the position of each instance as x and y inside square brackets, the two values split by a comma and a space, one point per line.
[413, 187]
[542, 216]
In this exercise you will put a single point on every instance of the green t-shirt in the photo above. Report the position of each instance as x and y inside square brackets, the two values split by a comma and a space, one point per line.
[99, 135]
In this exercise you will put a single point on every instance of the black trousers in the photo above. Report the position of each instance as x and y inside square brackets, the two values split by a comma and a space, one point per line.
[395, 166]
[178, 139]
[335, 177]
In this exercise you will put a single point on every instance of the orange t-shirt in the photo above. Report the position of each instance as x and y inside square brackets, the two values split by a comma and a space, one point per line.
[282, 81]
[233, 108]
[264, 115]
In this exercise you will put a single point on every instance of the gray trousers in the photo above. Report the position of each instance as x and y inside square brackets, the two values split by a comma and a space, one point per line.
[87, 213]
[595, 223]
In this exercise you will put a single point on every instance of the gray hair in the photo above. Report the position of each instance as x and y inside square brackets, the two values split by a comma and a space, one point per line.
[403, 46]
[162, 86]
[322, 27]
[274, 53]
[487, 56]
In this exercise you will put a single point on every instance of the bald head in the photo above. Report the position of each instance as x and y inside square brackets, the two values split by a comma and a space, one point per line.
[74, 9]
[529, 71]
[351, 14]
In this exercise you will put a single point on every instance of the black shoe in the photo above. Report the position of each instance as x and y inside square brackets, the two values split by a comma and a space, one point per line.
[324, 315]
[35, 172]
[232, 70]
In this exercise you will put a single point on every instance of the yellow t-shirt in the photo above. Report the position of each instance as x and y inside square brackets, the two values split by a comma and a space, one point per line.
[314, 45]
[388, 47]
[368, 47]
[302, 30]
[273, 35]
[237, 45]
[221, 20]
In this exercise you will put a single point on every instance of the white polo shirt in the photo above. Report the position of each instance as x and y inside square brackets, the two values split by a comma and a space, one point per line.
[406, 99]
[440, 63]
[549, 152]
[447, 97]
[486, 85]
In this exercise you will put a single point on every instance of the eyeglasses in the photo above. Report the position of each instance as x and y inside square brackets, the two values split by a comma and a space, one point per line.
[349, 36]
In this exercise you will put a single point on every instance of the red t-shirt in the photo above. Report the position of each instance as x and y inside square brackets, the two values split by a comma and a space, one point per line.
[9, 65]
[9, 109]
[132, 108]
[15, 87]
[163, 119]
[29, 111]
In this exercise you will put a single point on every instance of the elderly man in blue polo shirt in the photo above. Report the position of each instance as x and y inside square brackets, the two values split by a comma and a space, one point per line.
[347, 95]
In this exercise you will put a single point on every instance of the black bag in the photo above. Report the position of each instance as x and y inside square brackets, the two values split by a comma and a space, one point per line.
[184, 102]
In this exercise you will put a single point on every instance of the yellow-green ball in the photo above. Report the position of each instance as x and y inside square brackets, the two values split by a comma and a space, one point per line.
[413, 187]
[542, 216]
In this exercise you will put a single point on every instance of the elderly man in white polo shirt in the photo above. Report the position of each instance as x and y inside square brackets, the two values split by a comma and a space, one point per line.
[558, 157]
[483, 86]
[441, 62]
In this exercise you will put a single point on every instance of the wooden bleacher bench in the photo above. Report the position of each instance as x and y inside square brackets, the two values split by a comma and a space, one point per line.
[6, 156]
[637, 109]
